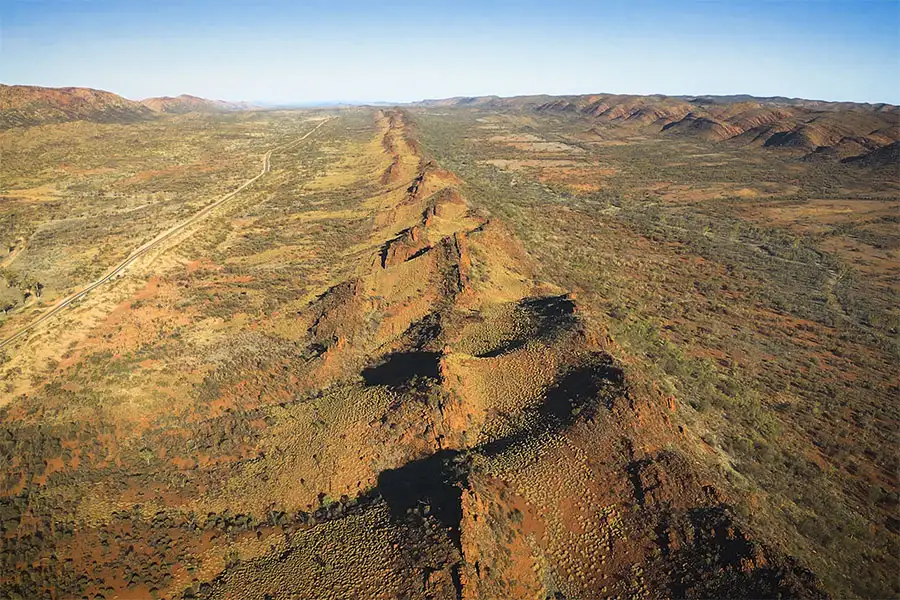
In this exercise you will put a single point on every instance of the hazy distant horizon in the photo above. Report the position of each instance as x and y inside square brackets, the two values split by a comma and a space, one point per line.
[312, 52]
[265, 104]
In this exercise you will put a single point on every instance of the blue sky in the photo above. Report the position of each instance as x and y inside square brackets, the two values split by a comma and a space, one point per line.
[303, 51]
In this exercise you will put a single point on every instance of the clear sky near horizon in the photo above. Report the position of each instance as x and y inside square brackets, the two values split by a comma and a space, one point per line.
[313, 51]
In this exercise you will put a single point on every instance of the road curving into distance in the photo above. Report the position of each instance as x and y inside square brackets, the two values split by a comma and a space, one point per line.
[154, 243]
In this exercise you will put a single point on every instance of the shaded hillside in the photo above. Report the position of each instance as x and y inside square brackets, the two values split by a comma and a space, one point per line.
[186, 103]
[25, 105]
[886, 156]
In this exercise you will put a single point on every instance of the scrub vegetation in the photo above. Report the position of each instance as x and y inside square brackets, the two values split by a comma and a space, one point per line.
[460, 350]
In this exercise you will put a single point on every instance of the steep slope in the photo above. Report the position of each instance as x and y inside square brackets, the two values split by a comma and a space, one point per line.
[186, 103]
[25, 105]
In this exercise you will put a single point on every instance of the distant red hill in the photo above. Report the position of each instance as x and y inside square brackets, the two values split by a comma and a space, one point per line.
[27, 105]
[835, 129]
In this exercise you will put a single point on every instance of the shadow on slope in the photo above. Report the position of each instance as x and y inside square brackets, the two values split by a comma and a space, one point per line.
[580, 393]
[402, 369]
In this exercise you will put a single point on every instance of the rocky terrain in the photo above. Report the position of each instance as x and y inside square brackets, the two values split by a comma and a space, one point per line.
[470, 349]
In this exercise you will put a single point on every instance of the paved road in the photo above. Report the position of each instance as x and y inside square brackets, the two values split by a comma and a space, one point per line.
[154, 243]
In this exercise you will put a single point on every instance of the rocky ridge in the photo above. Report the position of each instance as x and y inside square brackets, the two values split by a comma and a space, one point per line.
[513, 450]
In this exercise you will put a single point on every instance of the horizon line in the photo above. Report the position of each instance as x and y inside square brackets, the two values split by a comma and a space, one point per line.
[261, 103]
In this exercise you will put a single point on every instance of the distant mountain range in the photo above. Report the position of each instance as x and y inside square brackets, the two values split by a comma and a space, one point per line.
[26, 105]
[859, 133]
[186, 103]
[865, 134]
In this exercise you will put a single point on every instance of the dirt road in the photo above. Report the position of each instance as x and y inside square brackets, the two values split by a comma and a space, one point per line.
[153, 244]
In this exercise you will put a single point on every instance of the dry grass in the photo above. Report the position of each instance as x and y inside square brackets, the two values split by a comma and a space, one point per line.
[374, 375]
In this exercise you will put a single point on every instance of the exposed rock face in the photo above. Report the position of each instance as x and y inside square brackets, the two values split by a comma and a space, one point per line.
[403, 247]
